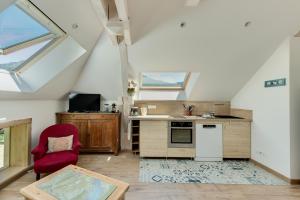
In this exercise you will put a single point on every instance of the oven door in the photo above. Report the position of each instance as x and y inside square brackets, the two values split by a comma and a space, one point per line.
[181, 137]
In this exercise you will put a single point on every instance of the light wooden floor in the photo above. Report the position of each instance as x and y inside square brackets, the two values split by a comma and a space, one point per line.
[126, 167]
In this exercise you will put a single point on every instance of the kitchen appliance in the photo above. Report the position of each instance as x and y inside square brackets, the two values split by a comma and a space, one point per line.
[209, 142]
[181, 134]
[134, 111]
[79, 102]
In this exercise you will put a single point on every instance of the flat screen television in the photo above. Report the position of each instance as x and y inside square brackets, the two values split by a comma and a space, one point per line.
[79, 102]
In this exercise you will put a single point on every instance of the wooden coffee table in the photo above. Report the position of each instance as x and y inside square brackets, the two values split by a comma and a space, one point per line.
[33, 192]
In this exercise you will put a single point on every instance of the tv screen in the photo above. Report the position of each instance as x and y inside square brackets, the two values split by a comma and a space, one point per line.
[84, 102]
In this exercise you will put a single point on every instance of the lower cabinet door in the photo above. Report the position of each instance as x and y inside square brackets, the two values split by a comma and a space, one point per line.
[237, 140]
[101, 134]
[153, 138]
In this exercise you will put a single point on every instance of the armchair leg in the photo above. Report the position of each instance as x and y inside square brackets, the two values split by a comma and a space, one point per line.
[38, 176]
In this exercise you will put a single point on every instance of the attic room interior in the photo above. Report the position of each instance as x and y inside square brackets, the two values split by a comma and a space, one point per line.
[149, 99]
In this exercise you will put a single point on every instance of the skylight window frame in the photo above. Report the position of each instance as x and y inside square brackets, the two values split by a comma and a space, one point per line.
[56, 33]
[36, 14]
[170, 88]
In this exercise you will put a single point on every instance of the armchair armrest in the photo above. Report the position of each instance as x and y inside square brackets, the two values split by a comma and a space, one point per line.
[76, 146]
[38, 152]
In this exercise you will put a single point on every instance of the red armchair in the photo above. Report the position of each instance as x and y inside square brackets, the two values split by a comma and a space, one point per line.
[50, 162]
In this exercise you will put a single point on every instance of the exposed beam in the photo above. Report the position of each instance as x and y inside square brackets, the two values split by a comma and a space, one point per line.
[122, 8]
[114, 16]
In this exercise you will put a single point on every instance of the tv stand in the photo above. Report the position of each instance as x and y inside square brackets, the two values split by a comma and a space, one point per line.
[98, 132]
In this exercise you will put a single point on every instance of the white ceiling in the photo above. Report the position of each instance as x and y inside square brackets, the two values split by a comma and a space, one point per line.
[65, 13]
[214, 41]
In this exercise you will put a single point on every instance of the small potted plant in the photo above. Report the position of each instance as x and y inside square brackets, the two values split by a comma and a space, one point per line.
[131, 88]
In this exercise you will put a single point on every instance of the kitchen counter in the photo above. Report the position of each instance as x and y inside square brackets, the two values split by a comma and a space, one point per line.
[185, 118]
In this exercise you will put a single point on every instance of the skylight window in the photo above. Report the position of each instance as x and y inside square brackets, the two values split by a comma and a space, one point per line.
[164, 80]
[13, 61]
[24, 33]
[17, 27]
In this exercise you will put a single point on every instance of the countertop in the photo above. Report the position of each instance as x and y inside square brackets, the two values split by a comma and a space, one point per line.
[184, 118]
[89, 113]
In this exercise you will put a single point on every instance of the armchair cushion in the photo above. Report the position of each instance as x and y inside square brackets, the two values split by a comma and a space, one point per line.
[52, 162]
[56, 144]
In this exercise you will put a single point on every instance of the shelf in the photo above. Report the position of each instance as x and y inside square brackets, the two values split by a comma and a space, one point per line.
[135, 134]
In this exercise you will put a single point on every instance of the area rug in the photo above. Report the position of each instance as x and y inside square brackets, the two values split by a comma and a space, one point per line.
[189, 171]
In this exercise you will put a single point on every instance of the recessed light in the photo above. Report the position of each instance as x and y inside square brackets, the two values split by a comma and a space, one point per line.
[75, 26]
[247, 24]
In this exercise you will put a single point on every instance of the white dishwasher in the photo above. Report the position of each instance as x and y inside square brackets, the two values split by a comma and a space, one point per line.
[209, 142]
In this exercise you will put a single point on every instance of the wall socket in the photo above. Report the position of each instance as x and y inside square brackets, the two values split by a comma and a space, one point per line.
[260, 153]
[151, 107]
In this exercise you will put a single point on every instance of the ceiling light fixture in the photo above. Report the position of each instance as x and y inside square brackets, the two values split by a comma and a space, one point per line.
[247, 24]
[75, 26]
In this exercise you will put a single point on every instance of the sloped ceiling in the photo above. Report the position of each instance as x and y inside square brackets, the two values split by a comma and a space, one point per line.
[214, 41]
[65, 13]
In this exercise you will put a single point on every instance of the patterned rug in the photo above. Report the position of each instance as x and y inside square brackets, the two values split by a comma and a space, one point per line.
[189, 171]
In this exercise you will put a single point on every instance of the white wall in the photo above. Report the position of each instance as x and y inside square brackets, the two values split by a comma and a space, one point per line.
[42, 113]
[51, 64]
[295, 107]
[102, 72]
[271, 118]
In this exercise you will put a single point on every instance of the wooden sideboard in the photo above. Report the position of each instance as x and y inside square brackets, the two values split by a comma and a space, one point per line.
[98, 132]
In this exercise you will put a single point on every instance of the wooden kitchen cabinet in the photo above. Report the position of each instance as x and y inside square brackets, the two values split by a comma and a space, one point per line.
[237, 139]
[153, 138]
[98, 132]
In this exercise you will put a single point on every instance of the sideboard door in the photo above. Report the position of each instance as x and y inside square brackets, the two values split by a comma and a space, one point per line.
[82, 126]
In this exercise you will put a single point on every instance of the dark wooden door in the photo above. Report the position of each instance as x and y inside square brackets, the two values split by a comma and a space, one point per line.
[82, 126]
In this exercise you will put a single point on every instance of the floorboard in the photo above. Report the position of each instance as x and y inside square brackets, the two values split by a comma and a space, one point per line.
[126, 168]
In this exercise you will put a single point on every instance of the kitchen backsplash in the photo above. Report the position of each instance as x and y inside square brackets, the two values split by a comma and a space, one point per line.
[176, 107]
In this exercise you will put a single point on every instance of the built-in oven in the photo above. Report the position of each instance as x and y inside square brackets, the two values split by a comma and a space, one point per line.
[181, 134]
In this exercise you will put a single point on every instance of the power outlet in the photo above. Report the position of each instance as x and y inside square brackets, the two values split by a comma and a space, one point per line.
[260, 154]
[151, 107]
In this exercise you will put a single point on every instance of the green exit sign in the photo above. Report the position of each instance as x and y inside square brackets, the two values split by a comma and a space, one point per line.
[275, 83]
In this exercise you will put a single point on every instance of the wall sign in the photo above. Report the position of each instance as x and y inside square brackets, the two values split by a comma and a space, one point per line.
[275, 83]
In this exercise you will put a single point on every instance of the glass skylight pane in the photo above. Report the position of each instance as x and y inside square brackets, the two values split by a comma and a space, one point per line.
[16, 27]
[12, 61]
[164, 79]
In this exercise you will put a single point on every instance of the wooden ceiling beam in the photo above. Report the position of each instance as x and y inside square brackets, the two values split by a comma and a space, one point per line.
[114, 16]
